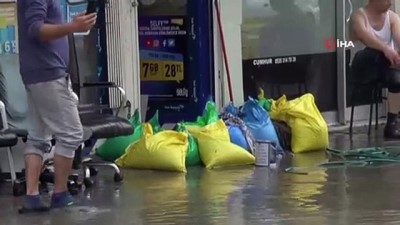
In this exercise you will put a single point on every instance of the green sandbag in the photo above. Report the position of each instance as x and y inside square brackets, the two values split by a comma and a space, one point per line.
[114, 148]
[263, 102]
[155, 123]
[193, 154]
[210, 116]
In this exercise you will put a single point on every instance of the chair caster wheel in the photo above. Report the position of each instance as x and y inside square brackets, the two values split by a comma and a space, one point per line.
[88, 182]
[19, 188]
[93, 171]
[118, 178]
[74, 189]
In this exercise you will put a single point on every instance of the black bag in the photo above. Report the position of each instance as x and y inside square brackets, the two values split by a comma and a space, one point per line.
[284, 133]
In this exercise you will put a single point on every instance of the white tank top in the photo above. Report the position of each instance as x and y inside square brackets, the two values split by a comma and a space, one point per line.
[384, 34]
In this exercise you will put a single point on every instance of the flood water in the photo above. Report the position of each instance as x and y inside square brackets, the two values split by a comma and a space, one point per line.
[244, 195]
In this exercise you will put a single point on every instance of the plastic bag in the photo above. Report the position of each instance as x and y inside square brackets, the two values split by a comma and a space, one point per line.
[155, 123]
[237, 137]
[231, 109]
[263, 102]
[113, 148]
[259, 123]
[216, 152]
[217, 130]
[193, 154]
[165, 150]
[309, 129]
[210, 116]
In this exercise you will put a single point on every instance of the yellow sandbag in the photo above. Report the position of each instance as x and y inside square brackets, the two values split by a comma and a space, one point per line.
[218, 130]
[165, 150]
[309, 129]
[215, 152]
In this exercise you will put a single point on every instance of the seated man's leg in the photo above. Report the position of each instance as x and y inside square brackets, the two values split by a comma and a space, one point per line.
[60, 114]
[38, 143]
[391, 128]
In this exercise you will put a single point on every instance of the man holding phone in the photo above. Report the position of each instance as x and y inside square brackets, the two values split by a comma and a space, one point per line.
[52, 107]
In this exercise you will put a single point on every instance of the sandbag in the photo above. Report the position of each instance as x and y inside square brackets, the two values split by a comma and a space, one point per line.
[217, 129]
[165, 150]
[263, 102]
[217, 152]
[237, 137]
[155, 123]
[238, 130]
[231, 109]
[259, 123]
[209, 116]
[113, 148]
[309, 129]
[193, 154]
[284, 134]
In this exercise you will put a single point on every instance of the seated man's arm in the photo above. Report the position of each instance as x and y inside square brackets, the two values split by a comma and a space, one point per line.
[359, 32]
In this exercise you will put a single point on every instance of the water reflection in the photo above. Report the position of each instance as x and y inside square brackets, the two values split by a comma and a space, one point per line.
[246, 195]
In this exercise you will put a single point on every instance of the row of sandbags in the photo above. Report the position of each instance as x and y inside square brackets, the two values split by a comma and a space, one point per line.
[216, 140]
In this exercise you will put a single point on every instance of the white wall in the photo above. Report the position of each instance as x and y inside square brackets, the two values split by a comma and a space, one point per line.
[231, 15]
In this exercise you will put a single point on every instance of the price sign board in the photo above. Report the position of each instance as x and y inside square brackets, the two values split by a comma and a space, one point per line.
[163, 50]
[161, 67]
[8, 29]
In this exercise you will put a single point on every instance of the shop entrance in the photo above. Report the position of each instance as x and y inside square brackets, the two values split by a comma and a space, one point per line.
[285, 51]
[176, 58]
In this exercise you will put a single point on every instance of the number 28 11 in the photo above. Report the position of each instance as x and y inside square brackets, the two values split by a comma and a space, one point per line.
[171, 70]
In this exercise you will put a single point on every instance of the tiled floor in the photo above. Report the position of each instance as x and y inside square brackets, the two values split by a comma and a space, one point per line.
[246, 195]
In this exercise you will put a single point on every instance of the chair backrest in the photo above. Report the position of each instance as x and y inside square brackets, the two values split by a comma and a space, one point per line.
[73, 67]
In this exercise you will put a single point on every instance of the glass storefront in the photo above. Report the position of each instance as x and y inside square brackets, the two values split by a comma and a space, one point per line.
[285, 49]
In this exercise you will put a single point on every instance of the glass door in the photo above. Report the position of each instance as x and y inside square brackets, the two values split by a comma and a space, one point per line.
[285, 50]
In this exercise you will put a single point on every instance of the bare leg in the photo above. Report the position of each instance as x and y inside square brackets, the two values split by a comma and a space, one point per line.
[391, 129]
[63, 168]
[394, 102]
[33, 164]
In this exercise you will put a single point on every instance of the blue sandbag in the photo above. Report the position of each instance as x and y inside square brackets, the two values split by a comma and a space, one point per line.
[232, 109]
[237, 137]
[259, 123]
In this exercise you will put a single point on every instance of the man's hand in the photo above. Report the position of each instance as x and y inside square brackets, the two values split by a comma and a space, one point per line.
[392, 56]
[83, 23]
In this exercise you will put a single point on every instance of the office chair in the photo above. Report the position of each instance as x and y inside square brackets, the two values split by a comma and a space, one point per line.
[99, 122]
[8, 139]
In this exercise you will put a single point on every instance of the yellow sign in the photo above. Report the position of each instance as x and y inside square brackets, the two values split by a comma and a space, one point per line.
[161, 70]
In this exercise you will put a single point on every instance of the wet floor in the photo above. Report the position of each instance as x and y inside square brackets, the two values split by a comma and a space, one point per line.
[246, 195]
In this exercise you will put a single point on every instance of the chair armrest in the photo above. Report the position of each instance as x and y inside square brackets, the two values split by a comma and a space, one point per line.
[108, 85]
[3, 116]
[100, 84]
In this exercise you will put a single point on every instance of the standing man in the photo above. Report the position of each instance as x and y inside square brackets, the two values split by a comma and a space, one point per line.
[52, 108]
[378, 28]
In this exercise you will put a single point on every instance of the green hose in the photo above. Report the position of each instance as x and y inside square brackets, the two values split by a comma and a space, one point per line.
[356, 158]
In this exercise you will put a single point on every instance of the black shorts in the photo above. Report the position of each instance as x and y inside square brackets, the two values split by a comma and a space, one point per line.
[371, 66]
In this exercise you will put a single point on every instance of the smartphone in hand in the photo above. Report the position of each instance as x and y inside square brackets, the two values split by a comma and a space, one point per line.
[91, 7]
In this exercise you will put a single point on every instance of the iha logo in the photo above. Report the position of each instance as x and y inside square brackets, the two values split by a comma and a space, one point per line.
[332, 44]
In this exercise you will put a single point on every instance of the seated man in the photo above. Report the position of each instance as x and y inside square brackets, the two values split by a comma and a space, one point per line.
[377, 27]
